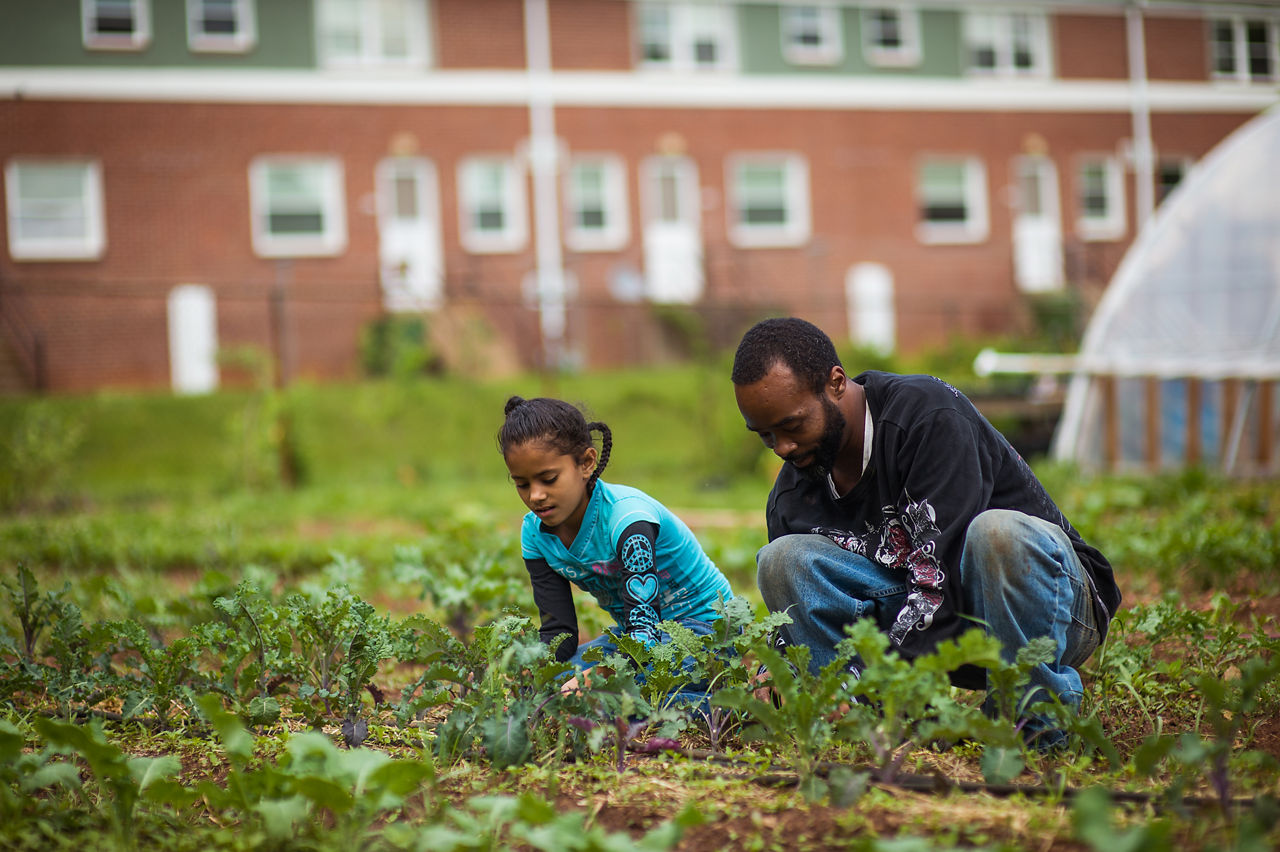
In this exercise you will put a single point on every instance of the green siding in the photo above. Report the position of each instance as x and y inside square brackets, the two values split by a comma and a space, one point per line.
[941, 44]
[760, 42]
[48, 33]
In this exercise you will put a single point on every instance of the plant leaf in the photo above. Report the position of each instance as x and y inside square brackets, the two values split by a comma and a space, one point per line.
[1002, 765]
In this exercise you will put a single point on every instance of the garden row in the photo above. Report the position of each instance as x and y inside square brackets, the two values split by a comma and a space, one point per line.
[1178, 727]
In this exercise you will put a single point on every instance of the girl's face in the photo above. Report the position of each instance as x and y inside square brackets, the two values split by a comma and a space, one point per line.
[552, 484]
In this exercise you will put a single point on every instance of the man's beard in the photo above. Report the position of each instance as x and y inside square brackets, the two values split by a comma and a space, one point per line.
[824, 455]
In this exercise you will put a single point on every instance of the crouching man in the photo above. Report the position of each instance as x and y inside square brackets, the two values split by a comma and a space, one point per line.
[898, 501]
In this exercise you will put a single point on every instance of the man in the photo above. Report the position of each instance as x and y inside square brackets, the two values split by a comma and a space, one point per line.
[898, 501]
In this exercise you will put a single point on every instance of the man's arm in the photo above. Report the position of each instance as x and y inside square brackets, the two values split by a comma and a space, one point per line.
[946, 483]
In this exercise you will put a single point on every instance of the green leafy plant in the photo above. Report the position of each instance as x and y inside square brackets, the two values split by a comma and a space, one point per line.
[498, 680]
[255, 649]
[463, 582]
[120, 783]
[167, 674]
[341, 640]
[803, 724]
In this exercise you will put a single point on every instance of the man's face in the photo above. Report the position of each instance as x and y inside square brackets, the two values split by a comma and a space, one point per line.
[800, 426]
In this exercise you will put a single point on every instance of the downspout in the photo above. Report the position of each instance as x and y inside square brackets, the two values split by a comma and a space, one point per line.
[1143, 153]
[549, 278]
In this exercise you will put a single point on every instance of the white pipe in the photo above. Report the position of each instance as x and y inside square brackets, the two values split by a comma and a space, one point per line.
[543, 162]
[1260, 368]
[1144, 201]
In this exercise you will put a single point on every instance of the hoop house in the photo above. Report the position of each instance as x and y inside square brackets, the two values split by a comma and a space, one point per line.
[1179, 364]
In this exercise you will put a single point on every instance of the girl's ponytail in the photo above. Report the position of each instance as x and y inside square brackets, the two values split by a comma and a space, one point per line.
[606, 447]
[512, 404]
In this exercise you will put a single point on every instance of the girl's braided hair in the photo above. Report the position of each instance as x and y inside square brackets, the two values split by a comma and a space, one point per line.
[556, 423]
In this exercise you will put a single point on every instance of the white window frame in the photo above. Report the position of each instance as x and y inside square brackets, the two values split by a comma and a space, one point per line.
[998, 27]
[515, 218]
[136, 40]
[332, 238]
[1240, 48]
[906, 55]
[976, 225]
[794, 231]
[684, 23]
[1111, 224]
[615, 230]
[369, 32]
[90, 246]
[826, 24]
[240, 41]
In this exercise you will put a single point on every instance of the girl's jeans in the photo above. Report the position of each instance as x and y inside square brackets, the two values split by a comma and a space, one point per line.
[608, 646]
[692, 694]
[1019, 574]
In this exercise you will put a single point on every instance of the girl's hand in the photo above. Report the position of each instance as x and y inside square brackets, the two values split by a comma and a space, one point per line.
[574, 684]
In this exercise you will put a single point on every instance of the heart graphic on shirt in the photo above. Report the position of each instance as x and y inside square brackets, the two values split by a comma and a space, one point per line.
[642, 588]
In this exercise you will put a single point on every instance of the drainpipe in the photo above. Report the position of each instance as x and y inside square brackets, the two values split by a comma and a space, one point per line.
[549, 277]
[1143, 154]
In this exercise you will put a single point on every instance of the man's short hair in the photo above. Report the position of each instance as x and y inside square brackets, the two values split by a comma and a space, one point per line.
[800, 346]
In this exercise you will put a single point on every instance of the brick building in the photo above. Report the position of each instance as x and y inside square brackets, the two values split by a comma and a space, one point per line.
[577, 175]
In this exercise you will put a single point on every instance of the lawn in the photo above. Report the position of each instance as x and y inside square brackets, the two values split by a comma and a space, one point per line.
[298, 619]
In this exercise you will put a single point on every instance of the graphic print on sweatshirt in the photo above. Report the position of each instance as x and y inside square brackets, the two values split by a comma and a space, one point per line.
[640, 589]
[902, 541]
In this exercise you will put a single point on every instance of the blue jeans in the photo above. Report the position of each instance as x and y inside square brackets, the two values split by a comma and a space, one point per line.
[692, 694]
[1019, 575]
[606, 643]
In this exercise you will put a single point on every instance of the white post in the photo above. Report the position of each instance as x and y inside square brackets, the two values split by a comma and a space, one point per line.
[543, 161]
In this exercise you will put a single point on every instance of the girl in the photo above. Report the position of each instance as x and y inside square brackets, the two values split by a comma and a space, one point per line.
[639, 561]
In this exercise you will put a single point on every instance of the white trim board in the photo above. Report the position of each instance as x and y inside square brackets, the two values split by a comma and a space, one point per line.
[627, 90]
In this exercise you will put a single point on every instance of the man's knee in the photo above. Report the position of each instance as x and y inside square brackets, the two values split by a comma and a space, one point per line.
[779, 564]
[999, 540]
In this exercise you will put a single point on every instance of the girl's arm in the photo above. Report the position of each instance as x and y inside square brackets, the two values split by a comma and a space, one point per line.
[641, 602]
[553, 596]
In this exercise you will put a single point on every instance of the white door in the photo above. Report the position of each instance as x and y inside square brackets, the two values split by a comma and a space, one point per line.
[869, 300]
[1037, 227]
[672, 230]
[409, 252]
[193, 339]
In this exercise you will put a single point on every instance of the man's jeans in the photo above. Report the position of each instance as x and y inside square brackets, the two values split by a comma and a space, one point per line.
[1019, 574]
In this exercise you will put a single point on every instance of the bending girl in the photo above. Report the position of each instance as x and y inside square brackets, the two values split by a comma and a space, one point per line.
[639, 560]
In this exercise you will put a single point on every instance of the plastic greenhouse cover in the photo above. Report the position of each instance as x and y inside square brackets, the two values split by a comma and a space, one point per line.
[1198, 294]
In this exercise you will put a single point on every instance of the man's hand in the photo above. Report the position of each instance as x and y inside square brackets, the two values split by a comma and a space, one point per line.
[765, 693]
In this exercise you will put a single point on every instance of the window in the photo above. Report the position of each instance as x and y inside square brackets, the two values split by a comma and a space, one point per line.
[596, 198]
[1244, 49]
[491, 205]
[115, 24]
[226, 26]
[55, 209]
[687, 36]
[1008, 44]
[373, 33]
[891, 36]
[811, 35]
[952, 193]
[769, 204]
[299, 207]
[1100, 196]
[1169, 173]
